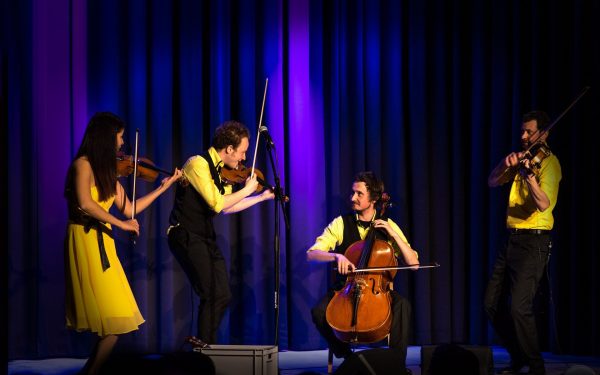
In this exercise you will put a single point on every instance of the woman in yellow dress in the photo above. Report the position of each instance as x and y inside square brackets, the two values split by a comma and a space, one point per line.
[98, 296]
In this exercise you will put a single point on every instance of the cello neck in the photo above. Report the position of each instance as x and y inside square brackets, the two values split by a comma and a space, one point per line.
[368, 245]
[372, 235]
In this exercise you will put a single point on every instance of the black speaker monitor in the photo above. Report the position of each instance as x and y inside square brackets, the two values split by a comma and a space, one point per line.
[465, 359]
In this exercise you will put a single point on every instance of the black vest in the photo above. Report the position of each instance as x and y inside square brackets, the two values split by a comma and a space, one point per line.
[351, 236]
[191, 210]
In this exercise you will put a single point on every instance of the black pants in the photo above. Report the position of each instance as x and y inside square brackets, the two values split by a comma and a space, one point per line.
[517, 273]
[205, 267]
[399, 332]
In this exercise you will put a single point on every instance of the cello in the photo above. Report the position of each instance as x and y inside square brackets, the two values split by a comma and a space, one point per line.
[361, 310]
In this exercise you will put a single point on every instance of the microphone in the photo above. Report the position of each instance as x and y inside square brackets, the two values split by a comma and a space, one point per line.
[263, 129]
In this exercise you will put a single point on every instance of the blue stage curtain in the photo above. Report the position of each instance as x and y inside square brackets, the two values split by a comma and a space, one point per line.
[427, 93]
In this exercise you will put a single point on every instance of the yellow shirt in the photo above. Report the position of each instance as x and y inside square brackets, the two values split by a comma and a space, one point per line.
[197, 172]
[333, 235]
[522, 212]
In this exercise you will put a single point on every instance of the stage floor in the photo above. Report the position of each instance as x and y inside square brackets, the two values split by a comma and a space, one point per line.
[297, 362]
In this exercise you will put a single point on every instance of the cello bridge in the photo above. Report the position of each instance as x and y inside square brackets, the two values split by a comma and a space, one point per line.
[361, 284]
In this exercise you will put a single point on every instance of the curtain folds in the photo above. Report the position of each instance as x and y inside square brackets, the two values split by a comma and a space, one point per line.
[428, 94]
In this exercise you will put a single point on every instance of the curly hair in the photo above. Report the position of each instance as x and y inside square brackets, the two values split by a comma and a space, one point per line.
[374, 185]
[229, 133]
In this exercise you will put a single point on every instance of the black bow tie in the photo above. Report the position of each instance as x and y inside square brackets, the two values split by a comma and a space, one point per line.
[364, 224]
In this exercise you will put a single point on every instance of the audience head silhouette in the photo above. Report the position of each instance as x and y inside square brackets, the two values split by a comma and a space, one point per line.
[453, 359]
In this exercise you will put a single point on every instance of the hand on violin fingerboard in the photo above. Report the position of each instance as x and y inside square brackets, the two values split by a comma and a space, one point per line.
[168, 181]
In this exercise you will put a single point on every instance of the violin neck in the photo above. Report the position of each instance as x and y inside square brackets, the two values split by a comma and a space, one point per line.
[154, 168]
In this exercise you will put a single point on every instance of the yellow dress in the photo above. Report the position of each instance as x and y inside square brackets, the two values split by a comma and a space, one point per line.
[96, 300]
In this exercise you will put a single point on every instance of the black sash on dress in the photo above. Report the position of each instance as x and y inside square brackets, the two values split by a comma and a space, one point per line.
[88, 223]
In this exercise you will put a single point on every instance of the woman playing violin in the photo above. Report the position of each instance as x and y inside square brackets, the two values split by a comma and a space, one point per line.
[192, 237]
[98, 296]
[340, 234]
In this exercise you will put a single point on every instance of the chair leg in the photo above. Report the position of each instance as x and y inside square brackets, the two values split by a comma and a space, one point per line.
[329, 361]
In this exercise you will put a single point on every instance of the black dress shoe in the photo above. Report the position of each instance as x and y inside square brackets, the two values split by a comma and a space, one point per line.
[196, 342]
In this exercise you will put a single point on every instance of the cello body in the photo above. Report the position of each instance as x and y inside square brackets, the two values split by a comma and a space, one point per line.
[361, 312]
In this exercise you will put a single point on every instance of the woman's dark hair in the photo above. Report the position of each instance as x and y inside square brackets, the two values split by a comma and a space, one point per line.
[374, 185]
[99, 146]
[229, 133]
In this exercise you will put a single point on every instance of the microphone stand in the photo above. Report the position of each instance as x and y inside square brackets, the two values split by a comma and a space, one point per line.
[279, 198]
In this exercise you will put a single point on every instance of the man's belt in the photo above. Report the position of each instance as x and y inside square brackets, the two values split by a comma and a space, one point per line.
[528, 231]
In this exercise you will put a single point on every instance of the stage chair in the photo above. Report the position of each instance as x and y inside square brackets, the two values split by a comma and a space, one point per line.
[330, 356]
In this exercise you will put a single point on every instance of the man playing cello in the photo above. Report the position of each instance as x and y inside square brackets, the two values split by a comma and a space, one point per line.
[331, 245]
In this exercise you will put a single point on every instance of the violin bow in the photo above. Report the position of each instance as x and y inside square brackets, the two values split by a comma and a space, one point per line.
[135, 167]
[541, 133]
[262, 109]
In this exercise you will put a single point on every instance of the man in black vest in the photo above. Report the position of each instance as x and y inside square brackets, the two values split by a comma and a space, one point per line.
[191, 233]
[342, 232]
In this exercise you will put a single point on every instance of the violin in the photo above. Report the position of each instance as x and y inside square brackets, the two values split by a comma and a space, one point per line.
[361, 310]
[538, 150]
[239, 176]
[146, 169]
[535, 154]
